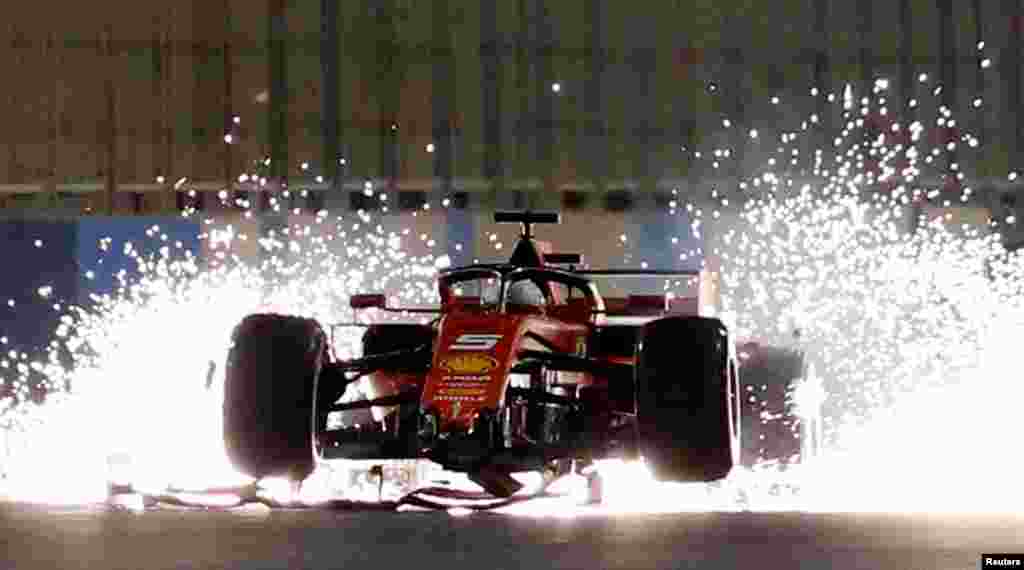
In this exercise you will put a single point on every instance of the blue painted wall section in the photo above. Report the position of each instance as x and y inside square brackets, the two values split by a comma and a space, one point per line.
[460, 230]
[107, 263]
[26, 267]
[44, 263]
[654, 231]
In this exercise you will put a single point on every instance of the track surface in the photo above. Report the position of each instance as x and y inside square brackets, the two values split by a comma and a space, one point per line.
[258, 538]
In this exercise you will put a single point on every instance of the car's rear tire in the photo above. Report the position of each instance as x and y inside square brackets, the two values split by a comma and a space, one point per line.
[272, 370]
[688, 413]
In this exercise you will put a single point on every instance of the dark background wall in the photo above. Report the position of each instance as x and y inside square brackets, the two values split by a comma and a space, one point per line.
[121, 108]
[113, 94]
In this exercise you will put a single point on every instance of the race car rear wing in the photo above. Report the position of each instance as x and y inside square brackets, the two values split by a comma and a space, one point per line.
[563, 258]
[640, 272]
[527, 219]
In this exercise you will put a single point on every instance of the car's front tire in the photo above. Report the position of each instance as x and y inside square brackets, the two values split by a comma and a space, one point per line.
[272, 370]
[688, 413]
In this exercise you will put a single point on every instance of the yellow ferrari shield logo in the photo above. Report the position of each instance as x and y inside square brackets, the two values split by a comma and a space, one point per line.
[469, 363]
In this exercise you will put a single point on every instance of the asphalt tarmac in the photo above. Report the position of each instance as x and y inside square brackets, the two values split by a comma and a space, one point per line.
[259, 538]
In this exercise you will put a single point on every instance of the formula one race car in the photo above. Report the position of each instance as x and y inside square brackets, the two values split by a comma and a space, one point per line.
[526, 367]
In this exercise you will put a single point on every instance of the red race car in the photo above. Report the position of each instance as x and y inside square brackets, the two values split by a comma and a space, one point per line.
[525, 367]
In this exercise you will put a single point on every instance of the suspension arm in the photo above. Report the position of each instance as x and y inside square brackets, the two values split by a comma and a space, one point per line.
[404, 360]
[396, 400]
[573, 363]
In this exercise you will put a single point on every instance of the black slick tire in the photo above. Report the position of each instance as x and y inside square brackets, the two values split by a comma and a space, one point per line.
[272, 370]
[688, 414]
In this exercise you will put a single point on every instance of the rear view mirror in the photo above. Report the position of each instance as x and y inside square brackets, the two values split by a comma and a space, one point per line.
[368, 301]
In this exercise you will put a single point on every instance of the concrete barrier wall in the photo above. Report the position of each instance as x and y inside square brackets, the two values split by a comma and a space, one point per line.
[128, 93]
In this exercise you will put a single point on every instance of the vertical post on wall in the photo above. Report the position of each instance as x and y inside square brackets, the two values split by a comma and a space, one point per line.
[278, 116]
[981, 87]
[1010, 73]
[228, 95]
[53, 140]
[821, 62]
[226, 98]
[491, 93]
[865, 24]
[979, 73]
[948, 51]
[1013, 66]
[13, 171]
[1011, 202]
[329, 92]
[948, 70]
[908, 84]
[545, 117]
[443, 75]
[110, 93]
[525, 131]
[388, 90]
[733, 101]
[164, 84]
[158, 121]
[199, 148]
[595, 140]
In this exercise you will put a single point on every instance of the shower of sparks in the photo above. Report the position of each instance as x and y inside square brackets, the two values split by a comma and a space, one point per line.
[905, 313]
[139, 408]
[847, 252]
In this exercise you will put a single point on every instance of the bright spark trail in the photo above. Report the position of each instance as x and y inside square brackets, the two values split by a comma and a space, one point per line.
[909, 317]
